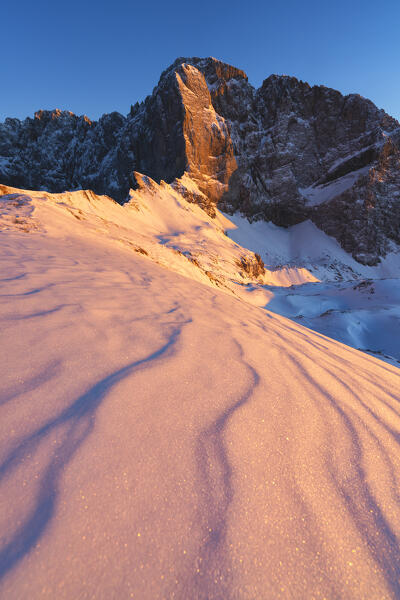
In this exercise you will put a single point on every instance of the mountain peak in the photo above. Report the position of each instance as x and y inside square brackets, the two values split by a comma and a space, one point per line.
[285, 153]
[56, 113]
[212, 68]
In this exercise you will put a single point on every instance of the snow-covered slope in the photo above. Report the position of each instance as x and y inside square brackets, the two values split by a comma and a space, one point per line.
[159, 223]
[162, 438]
[363, 314]
[304, 246]
[353, 303]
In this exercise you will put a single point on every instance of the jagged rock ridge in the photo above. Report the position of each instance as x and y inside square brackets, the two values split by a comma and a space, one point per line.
[285, 152]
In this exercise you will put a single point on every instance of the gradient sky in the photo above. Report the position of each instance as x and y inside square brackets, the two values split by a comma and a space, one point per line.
[93, 58]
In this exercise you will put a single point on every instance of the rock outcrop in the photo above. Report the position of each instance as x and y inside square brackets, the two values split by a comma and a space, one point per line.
[286, 152]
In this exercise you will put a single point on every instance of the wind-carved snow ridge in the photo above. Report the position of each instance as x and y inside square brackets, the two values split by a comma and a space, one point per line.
[76, 423]
[166, 435]
[217, 492]
[352, 483]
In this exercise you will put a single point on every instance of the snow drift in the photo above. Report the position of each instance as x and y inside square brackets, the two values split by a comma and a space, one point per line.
[162, 437]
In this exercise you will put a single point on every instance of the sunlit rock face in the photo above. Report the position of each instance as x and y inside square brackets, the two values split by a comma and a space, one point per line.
[177, 129]
[285, 153]
[208, 145]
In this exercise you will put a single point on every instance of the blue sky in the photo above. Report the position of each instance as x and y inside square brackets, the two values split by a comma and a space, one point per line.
[93, 58]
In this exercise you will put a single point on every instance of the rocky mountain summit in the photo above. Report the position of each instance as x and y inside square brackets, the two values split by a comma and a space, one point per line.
[285, 152]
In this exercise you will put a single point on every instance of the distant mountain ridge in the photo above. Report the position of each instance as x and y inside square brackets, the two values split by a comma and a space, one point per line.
[285, 152]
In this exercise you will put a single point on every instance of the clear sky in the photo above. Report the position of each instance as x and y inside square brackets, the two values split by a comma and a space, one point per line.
[95, 57]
